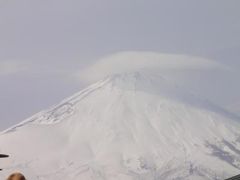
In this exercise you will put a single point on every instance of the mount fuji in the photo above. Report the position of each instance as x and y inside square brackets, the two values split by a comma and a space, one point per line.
[130, 126]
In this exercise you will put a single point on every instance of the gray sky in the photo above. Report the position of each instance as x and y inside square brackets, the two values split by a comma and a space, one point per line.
[44, 42]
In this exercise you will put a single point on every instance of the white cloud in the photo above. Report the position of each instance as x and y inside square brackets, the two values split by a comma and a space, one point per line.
[136, 61]
[11, 67]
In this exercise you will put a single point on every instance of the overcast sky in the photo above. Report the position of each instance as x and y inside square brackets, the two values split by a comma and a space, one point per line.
[45, 43]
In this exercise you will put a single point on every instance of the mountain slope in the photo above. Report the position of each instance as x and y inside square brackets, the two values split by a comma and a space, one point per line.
[128, 126]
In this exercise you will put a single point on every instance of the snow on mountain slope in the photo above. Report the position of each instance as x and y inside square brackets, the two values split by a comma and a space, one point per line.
[133, 126]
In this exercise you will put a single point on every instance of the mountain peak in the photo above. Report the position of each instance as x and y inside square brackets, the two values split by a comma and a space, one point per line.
[132, 80]
[134, 84]
[130, 126]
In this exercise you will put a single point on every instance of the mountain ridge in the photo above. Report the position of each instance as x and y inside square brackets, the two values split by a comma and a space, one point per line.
[128, 126]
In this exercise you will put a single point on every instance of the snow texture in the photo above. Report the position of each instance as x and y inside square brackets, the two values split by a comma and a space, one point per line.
[131, 126]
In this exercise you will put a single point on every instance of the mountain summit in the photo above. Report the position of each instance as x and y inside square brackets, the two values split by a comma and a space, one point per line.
[130, 126]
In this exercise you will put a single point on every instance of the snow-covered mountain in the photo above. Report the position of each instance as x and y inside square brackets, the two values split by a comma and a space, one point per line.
[132, 126]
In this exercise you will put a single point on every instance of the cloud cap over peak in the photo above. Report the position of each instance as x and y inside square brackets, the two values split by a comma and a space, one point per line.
[132, 61]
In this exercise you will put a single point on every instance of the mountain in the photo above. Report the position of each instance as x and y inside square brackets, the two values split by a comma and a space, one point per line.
[132, 126]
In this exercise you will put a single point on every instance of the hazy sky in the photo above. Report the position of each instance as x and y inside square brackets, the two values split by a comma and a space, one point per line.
[44, 43]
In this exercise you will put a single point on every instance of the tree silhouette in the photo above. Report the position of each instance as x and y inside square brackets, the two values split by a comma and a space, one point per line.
[3, 156]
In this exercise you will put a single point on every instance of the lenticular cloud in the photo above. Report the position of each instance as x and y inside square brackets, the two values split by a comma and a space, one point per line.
[139, 61]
